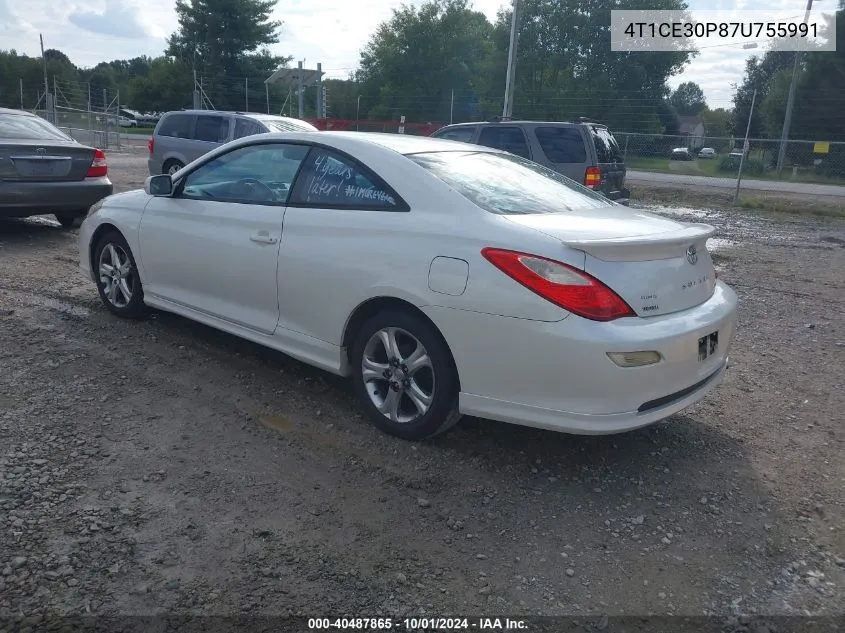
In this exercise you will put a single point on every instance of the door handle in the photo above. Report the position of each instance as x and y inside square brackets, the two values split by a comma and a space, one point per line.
[263, 238]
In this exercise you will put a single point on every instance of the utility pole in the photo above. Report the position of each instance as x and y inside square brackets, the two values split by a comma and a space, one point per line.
[300, 92]
[48, 102]
[787, 118]
[358, 115]
[511, 79]
[745, 147]
[21, 82]
[452, 107]
[246, 93]
[267, 95]
[319, 90]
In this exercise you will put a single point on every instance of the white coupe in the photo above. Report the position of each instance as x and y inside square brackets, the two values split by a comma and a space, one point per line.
[444, 279]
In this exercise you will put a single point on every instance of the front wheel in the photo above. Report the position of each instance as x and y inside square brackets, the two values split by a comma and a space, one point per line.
[405, 376]
[118, 282]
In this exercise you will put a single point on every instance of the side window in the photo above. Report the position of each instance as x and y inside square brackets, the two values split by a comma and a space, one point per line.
[177, 126]
[562, 144]
[257, 174]
[330, 179]
[211, 128]
[462, 134]
[248, 127]
[507, 138]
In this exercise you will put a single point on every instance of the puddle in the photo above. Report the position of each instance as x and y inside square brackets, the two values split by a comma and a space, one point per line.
[716, 243]
[681, 211]
[277, 422]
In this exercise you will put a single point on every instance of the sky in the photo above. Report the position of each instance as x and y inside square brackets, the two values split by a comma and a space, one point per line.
[328, 31]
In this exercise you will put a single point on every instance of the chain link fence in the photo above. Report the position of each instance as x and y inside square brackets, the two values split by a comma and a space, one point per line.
[86, 114]
[688, 158]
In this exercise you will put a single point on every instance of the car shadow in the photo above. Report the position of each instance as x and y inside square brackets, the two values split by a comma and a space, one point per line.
[19, 230]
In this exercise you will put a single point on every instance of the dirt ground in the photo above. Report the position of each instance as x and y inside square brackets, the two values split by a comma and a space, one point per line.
[162, 467]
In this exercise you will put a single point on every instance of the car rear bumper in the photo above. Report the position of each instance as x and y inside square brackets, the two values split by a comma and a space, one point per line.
[21, 199]
[558, 375]
[621, 196]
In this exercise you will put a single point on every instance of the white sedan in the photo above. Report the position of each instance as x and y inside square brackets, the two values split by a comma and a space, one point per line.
[445, 280]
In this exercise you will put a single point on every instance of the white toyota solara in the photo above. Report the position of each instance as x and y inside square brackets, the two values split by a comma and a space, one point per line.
[444, 278]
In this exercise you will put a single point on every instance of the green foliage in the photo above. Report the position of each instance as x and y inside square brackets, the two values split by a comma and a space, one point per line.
[752, 166]
[717, 122]
[688, 99]
[565, 68]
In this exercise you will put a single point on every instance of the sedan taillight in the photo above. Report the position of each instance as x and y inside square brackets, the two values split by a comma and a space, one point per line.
[99, 167]
[565, 286]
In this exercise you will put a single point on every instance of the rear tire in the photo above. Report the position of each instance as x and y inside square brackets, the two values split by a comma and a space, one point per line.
[171, 166]
[118, 282]
[70, 220]
[405, 376]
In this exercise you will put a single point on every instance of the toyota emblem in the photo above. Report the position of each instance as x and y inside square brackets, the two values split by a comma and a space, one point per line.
[41, 152]
[692, 254]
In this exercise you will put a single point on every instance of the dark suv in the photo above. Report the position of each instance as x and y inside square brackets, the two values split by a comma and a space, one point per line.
[585, 151]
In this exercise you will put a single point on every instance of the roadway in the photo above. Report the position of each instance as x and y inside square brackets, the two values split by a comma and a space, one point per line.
[682, 180]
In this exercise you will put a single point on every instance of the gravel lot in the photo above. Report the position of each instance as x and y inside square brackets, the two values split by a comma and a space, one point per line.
[162, 467]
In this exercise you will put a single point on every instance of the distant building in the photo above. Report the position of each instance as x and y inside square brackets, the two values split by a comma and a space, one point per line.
[693, 128]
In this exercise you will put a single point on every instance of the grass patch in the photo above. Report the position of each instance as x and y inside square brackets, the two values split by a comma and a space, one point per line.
[754, 169]
[769, 203]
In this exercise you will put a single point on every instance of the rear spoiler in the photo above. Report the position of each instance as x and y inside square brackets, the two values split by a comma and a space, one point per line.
[652, 246]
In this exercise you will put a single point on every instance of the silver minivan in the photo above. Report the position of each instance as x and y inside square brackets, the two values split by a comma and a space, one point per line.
[184, 135]
[585, 151]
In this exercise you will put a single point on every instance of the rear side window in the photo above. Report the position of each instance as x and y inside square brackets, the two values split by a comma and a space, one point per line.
[505, 184]
[247, 127]
[21, 126]
[462, 134]
[177, 126]
[607, 150]
[211, 128]
[508, 138]
[562, 144]
[332, 180]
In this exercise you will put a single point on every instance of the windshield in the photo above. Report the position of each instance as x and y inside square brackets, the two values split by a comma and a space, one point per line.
[606, 147]
[23, 127]
[507, 184]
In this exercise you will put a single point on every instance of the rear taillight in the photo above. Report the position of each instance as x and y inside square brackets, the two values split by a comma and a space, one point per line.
[98, 167]
[151, 144]
[593, 177]
[563, 285]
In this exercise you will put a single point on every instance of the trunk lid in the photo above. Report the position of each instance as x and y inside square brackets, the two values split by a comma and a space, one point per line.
[47, 161]
[658, 266]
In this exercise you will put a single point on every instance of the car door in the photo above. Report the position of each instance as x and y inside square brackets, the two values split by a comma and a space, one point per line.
[213, 245]
[337, 211]
[210, 131]
[509, 138]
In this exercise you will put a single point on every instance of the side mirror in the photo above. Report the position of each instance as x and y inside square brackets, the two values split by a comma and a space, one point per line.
[160, 185]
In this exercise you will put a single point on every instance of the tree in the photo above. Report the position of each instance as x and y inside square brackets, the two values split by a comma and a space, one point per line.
[758, 76]
[416, 59]
[566, 68]
[717, 122]
[225, 42]
[688, 99]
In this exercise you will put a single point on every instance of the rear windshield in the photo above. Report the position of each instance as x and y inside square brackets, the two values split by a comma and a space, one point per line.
[23, 127]
[506, 184]
[607, 149]
[276, 125]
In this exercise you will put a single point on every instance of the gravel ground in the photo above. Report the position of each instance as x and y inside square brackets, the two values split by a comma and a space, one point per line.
[162, 467]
